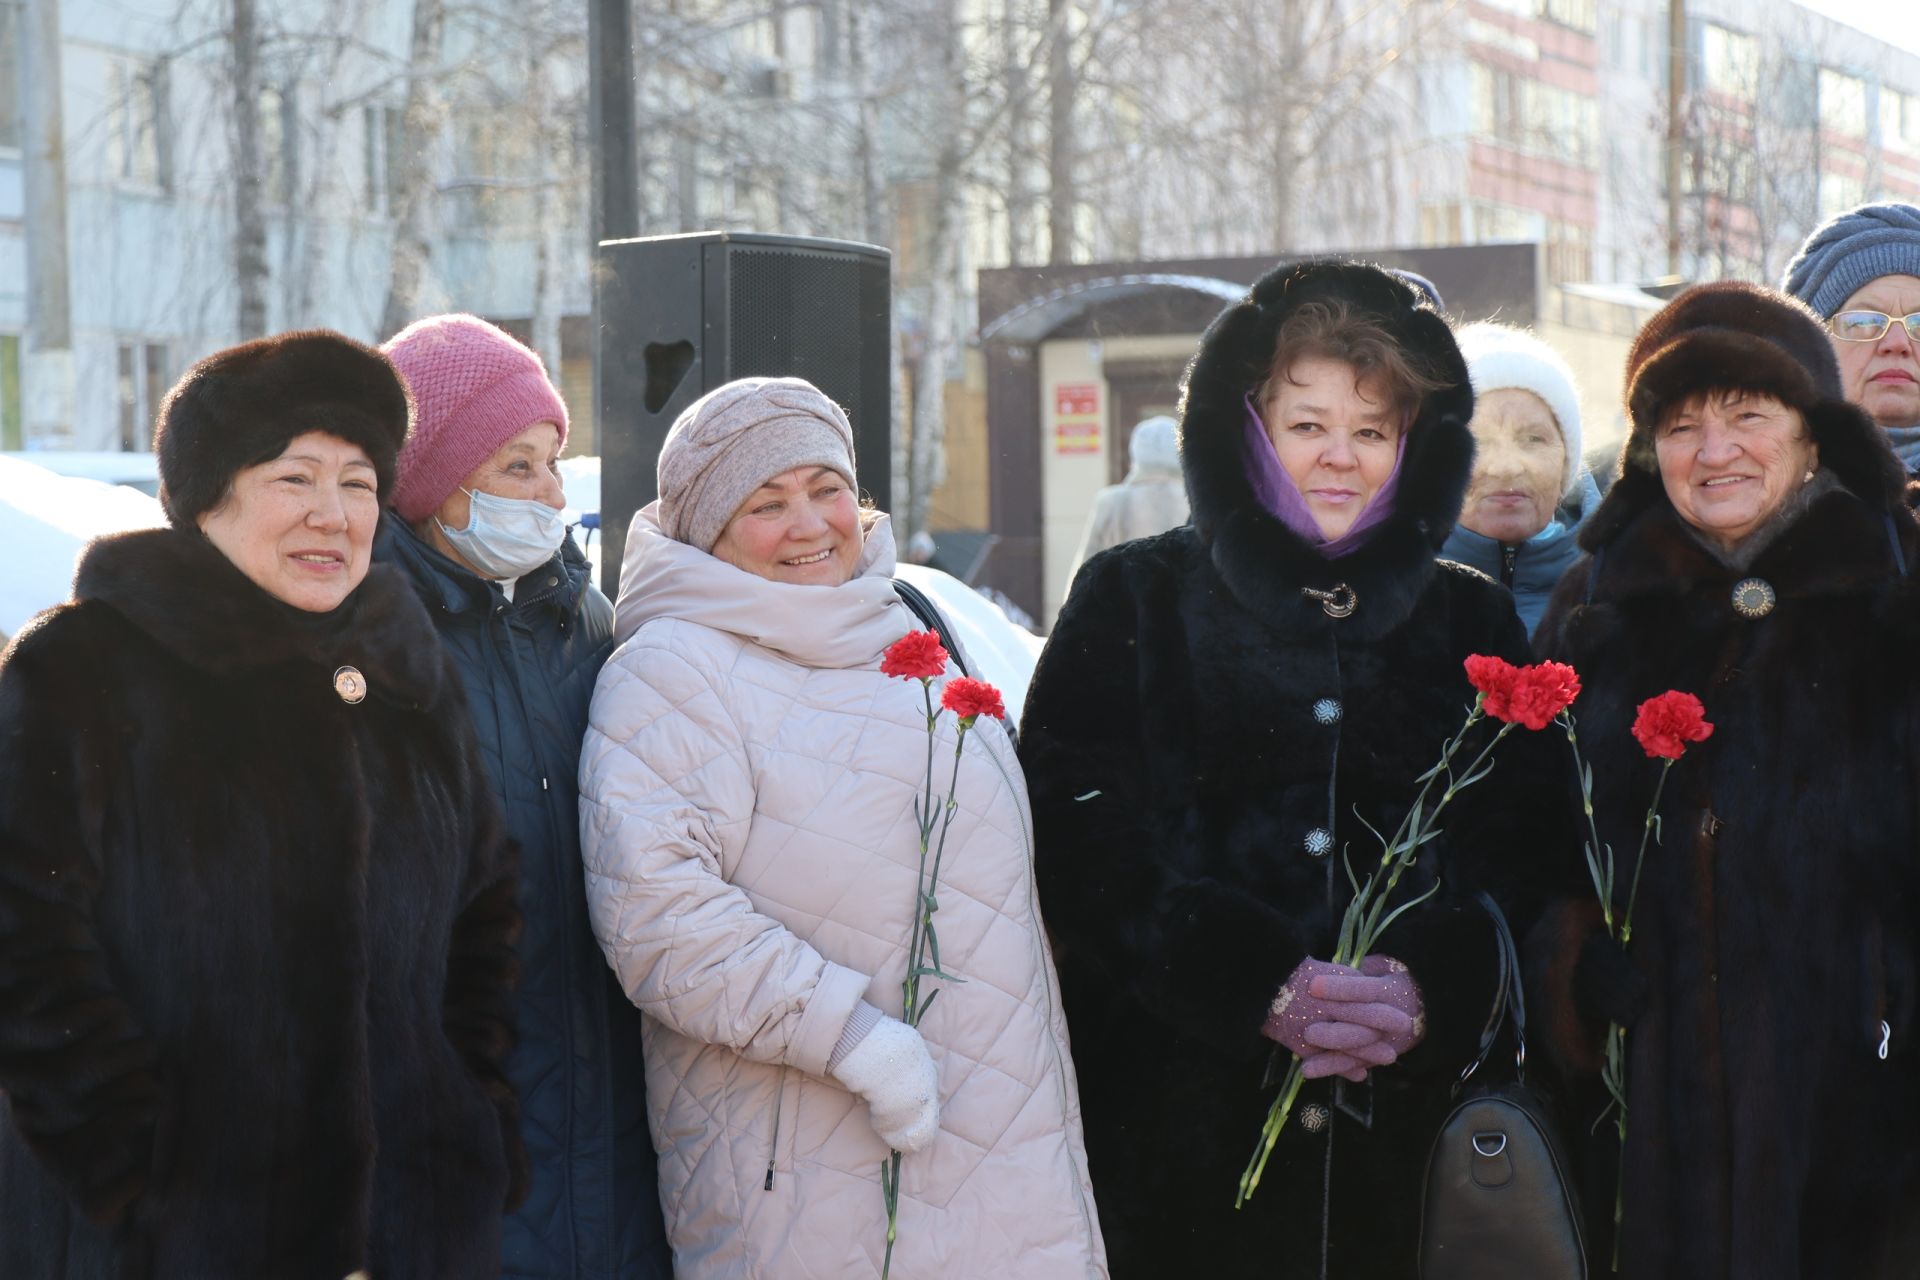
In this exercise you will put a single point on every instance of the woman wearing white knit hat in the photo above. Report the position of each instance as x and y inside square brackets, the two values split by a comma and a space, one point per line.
[1529, 492]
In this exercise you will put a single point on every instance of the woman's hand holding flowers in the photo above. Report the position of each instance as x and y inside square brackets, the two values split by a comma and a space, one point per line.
[1344, 1021]
[892, 1070]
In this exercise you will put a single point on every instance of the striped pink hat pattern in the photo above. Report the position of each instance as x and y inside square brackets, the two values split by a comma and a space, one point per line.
[474, 388]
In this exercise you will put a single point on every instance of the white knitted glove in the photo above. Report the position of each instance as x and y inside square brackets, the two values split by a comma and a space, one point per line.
[892, 1070]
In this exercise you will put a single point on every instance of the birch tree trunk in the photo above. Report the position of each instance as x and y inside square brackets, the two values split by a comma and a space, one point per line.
[412, 199]
[249, 218]
[48, 364]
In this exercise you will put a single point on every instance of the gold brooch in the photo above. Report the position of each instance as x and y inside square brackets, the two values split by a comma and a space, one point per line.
[350, 685]
[1753, 598]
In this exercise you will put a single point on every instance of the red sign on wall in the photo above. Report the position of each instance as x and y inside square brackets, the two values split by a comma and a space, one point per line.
[1076, 417]
[1076, 400]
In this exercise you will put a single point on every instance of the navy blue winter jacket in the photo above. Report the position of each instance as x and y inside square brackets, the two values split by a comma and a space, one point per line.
[529, 666]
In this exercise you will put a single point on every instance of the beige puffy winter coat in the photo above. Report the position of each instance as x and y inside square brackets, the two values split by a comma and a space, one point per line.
[746, 818]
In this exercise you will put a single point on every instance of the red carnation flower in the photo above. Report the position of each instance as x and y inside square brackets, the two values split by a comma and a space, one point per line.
[1540, 693]
[970, 699]
[1494, 678]
[1665, 724]
[1491, 676]
[917, 655]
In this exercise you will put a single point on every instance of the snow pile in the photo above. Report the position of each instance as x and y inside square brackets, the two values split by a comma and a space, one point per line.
[45, 521]
[580, 477]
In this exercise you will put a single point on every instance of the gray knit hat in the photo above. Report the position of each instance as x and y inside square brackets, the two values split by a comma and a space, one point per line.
[737, 437]
[1851, 249]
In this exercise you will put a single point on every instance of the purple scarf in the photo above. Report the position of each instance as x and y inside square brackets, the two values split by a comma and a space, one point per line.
[1282, 498]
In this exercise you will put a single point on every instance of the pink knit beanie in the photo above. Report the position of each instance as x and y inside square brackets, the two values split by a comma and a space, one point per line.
[474, 388]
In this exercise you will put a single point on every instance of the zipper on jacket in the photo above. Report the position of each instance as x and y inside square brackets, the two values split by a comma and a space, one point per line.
[773, 1147]
[1509, 553]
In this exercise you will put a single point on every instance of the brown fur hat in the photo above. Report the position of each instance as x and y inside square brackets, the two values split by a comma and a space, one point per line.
[1727, 336]
[241, 406]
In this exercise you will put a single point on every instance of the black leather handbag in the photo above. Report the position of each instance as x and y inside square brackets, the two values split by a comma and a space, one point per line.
[1500, 1201]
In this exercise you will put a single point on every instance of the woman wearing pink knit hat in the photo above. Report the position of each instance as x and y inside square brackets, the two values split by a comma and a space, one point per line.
[476, 525]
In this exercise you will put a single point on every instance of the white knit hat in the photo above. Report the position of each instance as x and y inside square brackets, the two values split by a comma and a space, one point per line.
[1500, 357]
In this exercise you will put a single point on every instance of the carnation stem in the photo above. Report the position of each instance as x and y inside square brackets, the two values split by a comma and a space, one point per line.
[1640, 858]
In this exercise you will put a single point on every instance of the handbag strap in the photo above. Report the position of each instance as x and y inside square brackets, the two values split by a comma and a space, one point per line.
[923, 609]
[1509, 1001]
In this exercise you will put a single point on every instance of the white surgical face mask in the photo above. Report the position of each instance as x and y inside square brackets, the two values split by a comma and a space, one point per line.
[507, 537]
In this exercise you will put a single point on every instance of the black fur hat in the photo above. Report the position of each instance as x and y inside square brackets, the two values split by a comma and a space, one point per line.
[241, 406]
[1727, 336]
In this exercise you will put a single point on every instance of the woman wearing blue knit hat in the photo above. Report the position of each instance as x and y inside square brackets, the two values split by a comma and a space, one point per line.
[1861, 272]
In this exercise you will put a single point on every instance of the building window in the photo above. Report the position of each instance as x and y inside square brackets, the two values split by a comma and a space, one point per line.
[1523, 112]
[380, 154]
[9, 64]
[1442, 224]
[140, 386]
[12, 421]
[137, 138]
[1843, 104]
[1578, 14]
[1840, 192]
[278, 138]
[1729, 61]
[496, 171]
[1900, 120]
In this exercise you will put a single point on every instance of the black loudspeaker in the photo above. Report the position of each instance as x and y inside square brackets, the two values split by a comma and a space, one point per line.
[680, 315]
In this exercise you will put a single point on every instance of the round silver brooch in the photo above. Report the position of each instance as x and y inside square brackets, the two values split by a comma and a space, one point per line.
[1314, 1117]
[1753, 598]
[350, 685]
[1337, 603]
[1326, 711]
[1319, 842]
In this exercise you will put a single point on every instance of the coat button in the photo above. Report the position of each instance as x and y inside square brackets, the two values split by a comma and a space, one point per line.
[1326, 711]
[1319, 842]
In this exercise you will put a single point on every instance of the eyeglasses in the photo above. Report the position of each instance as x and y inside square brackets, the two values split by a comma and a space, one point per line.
[1871, 326]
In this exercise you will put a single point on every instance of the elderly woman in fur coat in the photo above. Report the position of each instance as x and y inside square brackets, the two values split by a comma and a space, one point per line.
[256, 916]
[1755, 552]
[1219, 713]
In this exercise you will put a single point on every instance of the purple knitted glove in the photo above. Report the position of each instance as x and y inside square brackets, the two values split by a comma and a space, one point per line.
[1343, 1021]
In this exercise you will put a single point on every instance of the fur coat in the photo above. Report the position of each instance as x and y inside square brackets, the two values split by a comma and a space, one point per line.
[1202, 741]
[1774, 1078]
[255, 941]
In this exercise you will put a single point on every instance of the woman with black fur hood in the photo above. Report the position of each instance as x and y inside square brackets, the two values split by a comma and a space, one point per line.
[256, 913]
[1219, 713]
[1754, 552]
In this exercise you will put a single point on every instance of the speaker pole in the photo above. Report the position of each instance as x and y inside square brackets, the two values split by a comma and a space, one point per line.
[610, 105]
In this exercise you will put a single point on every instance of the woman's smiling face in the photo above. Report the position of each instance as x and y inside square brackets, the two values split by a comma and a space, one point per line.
[1729, 459]
[800, 527]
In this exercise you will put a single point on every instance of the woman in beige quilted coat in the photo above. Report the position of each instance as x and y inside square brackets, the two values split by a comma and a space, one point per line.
[747, 822]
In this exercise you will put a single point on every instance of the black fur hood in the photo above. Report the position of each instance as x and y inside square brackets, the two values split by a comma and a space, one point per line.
[1264, 563]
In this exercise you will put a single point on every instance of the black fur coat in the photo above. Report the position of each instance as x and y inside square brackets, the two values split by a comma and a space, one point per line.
[255, 942]
[1779, 918]
[1194, 721]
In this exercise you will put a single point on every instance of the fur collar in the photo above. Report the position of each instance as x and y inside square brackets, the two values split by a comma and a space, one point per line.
[1837, 546]
[1264, 563]
[180, 590]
